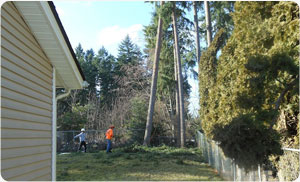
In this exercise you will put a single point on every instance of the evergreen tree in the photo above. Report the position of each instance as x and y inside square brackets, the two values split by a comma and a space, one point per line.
[79, 53]
[129, 53]
[72, 110]
[89, 70]
[219, 17]
[166, 80]
[253, 82]
[105, 64]
[208, 23]
[180, 78]
[198, 48]
[148, 129]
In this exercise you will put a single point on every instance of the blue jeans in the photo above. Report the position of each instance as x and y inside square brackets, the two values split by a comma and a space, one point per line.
[108, 145]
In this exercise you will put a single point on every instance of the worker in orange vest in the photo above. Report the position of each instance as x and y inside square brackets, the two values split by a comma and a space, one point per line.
[109, 134]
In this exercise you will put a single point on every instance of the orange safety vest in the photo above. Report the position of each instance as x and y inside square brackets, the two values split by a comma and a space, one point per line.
[109, 134]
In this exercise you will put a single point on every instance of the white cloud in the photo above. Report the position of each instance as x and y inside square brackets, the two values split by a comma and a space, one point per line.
[111, 37]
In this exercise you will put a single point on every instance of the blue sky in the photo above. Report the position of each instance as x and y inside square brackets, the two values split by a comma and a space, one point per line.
[106, 23]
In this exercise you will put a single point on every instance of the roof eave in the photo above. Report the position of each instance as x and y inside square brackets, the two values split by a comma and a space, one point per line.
[56, 45]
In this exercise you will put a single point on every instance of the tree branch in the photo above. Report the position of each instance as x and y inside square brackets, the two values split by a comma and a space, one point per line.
[280, 99]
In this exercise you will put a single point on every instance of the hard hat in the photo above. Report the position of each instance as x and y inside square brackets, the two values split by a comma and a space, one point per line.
[112, 126]
[82, 129]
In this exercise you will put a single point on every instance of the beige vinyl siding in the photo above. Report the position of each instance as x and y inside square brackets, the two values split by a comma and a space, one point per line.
[25, 150]
[11, 143]
[26, 102]
[19, 115]
[42, 175]
[23, 89]
[26, 169]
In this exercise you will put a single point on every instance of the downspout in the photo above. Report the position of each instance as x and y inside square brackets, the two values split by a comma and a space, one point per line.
[63, 95]
[54, 124]
[53, 165]
[54, 117]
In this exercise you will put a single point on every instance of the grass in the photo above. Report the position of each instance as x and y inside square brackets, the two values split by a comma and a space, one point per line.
[136, 163]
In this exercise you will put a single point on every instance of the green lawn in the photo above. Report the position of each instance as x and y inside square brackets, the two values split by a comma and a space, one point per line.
[136, 163]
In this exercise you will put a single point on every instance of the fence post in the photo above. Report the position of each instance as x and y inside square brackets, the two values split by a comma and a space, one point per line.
[259, 175]
[217, 158]
[234, 168]
[239, 173]
[209, 149]
[266, 175]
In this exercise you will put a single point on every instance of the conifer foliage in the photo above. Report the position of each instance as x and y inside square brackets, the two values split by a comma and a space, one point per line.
[254, 83]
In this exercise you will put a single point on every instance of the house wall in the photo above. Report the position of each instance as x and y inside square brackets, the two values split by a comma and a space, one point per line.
[26, 102]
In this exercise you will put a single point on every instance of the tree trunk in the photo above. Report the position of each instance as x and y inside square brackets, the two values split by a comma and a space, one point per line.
[197, 33]
[177, 114]
[154, 81]
[172, 114]
[208, 23]
[180, 80]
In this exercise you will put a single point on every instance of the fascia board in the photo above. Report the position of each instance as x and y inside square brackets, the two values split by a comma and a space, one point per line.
[60, 38]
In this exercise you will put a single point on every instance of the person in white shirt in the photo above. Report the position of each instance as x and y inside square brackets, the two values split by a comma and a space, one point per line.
[81, 139]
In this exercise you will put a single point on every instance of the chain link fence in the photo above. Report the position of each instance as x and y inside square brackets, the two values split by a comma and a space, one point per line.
[226, 167]
[95, 139]
[289, 165]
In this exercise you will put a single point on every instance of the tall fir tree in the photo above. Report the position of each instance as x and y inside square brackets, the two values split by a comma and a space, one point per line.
[105, 64]
[166, 80]
[129, 53]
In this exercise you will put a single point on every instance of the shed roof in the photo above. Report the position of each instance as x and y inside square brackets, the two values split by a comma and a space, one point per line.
[44, 22]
